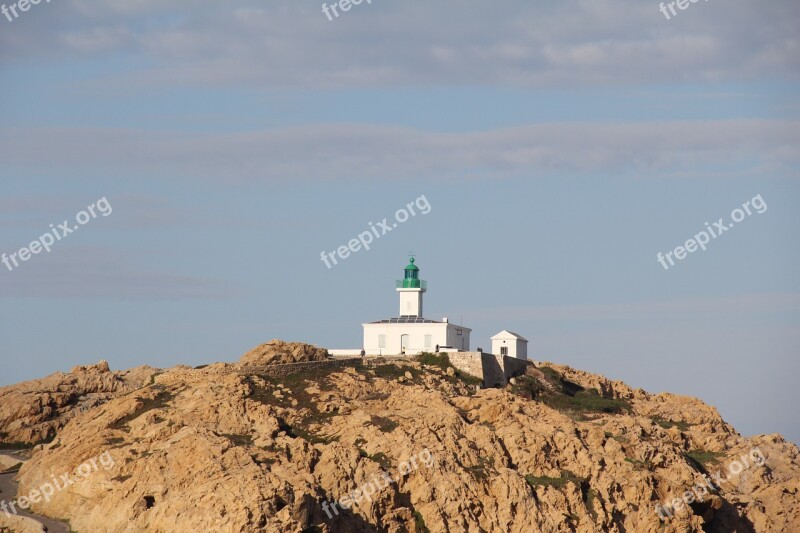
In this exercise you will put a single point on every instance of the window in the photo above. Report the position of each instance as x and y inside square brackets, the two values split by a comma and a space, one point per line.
[381, 341]
[504, 350]
[458, 332]
[427, 341]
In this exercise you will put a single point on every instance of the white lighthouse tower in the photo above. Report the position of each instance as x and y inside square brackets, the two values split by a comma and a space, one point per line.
[411, 289]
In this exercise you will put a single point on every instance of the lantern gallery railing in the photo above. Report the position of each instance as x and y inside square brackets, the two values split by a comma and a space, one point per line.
[411, 284]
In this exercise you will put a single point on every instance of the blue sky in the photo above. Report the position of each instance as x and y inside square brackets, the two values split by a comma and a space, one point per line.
[561, 147]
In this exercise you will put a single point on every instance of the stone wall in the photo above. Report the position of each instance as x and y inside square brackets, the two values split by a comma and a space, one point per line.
[494, 370]
[277, 371]
[468, 362]
[515, 367]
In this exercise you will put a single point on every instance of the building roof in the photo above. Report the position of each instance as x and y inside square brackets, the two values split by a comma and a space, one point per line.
[505, 334]
[407, 320]
[417, 320]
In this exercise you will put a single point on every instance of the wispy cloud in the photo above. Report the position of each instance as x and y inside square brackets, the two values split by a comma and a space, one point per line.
[287, 44]
[347, 151]
[86, 272]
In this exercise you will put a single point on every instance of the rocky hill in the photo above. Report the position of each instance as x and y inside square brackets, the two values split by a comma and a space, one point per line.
[280, 352]
[34, 411]
[408, 446]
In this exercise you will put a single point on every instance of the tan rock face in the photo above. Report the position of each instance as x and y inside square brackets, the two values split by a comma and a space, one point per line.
[277, 352]
[34, 411]
[19, 524]
[212, 450]
[7, 462]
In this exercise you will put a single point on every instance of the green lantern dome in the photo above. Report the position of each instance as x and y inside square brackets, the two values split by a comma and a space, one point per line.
[411, 278]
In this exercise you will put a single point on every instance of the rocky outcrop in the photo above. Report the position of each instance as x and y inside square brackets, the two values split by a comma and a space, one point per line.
[7, 462]
[401, 447]
[34, 411]
[19, 524]
[278, 352]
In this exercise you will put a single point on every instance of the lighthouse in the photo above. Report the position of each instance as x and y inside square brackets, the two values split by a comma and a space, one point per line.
[411, 289]
[410, 332]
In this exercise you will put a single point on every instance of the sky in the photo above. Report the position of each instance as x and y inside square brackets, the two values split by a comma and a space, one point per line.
[560, 146]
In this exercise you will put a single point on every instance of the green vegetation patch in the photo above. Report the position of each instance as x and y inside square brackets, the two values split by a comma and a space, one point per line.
[527, 387]
[551, 372]
[666, 424]
[562, 384]
[557, 482]
[568, 397]
[239, 440]
[313, 438]
[419, 523]
[392, 372]
[294, 387]
[16, 445]
[586, 403]
[482, 470]
[590, 500]
[431, 359]
[320, 376]
[638, 464]
[700, 459]
[468, 379]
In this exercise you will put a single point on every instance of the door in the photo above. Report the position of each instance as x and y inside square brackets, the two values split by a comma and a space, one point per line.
[403, 343]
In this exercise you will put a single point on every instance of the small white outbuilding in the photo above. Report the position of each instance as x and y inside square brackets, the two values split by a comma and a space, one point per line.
[510, 344]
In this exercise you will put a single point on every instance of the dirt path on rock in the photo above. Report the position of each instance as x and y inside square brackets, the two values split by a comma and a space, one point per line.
[8, 491]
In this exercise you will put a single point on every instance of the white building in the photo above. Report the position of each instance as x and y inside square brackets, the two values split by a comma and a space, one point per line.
[410, 333]
[510, 344]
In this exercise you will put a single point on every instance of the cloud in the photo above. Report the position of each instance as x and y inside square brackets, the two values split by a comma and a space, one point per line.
[288, 44]
[96, 39]
[368, 152]
[90, 272]
[131, 211]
